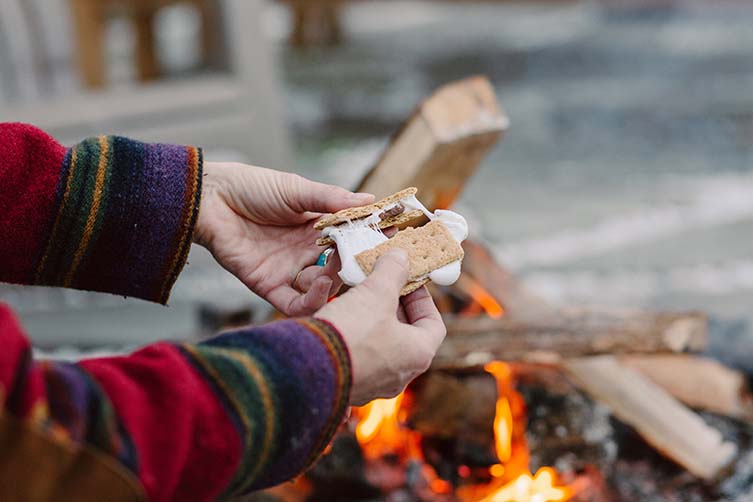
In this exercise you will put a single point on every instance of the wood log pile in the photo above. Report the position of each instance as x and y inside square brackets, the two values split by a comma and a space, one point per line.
[642, 365]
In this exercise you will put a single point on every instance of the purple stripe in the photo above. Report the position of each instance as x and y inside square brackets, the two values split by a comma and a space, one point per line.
[163, 187]
[303, 378]
[68, 398]
[316, 377]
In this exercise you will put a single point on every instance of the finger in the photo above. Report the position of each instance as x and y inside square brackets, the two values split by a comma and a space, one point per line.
[332, 267]
[420, 308]
[389, 275]
[322, 198]
[316, 297]
[291, 302]
[422, 313]
[401, 316]
[335, 289]
[284, 299]
[306, 278]
[389, 231]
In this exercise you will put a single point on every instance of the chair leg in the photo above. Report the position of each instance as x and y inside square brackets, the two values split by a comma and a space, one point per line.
[333, 31]
[146, 53]
[316, 22]
[89, 27]
[212, 40]
[301, 17]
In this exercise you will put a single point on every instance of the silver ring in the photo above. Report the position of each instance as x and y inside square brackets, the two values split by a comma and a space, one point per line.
[324, 257]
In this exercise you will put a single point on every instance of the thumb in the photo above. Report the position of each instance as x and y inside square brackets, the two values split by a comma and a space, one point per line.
[390, 274]
[322, 198]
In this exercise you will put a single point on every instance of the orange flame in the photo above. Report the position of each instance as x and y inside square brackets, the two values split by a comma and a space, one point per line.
[513, 481]
[526, 488]
[503, 423]
[481, 296]
[379, 431]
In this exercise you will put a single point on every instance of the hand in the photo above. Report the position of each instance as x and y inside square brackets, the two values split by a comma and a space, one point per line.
[258, 224]
[391, 340]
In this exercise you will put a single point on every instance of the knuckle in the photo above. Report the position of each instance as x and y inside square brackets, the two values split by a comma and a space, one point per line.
[441, 330]
[290, 180]
[426, 362]
[422, 359]
[427, 356]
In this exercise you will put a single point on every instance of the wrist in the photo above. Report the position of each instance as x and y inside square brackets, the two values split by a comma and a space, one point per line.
[201, 234]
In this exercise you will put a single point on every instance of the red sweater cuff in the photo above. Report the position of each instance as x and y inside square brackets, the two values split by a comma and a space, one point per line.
[109, 214]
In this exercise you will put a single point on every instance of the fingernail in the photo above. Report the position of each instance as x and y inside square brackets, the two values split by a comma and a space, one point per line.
[398, 254]
[362, 197]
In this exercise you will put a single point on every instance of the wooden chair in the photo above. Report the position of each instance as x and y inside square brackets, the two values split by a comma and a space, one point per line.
[316, 22]
[90, 18]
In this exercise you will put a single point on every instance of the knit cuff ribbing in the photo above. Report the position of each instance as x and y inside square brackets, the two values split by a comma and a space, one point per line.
[286, 386]
[124, 219]
[344, 385]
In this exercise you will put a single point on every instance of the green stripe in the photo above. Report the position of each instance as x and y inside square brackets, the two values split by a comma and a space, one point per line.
[103, 201]
[337, 351]
[64, 191]
[74, 213]
[229, 373]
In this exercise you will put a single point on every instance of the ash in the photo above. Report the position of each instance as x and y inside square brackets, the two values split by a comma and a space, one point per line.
[575, 435]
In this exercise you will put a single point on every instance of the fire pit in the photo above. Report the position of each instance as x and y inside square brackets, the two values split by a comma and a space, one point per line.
[525, 402]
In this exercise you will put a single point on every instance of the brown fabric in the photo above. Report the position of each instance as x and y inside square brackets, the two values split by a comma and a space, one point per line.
[35, 468]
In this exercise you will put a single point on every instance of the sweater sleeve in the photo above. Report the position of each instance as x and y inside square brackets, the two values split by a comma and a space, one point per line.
[108, 214]
[245, 410]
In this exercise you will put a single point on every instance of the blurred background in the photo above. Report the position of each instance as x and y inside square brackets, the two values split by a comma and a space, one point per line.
[625, 180]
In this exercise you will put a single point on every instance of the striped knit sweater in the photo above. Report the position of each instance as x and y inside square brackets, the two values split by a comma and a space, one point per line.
[247, 409]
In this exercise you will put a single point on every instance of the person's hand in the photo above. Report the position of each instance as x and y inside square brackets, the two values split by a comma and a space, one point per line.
[391, 340]
[258, 224]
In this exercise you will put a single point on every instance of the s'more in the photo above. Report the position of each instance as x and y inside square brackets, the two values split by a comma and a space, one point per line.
[430, 239]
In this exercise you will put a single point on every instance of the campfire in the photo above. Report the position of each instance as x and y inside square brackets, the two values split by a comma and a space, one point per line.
[527, 402]
[382, 432]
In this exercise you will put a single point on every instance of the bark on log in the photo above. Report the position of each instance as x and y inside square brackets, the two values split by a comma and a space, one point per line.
[473, 342]
[663, 421]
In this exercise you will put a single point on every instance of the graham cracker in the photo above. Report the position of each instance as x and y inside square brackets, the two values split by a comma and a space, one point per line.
[429, 248]
[412, 286]
[401, 219]
[355, 213]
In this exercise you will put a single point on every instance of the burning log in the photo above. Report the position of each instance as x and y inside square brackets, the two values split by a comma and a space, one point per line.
[439, 147]
[662, 421]
[459, 409]
[516, 300]
[473, 342]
